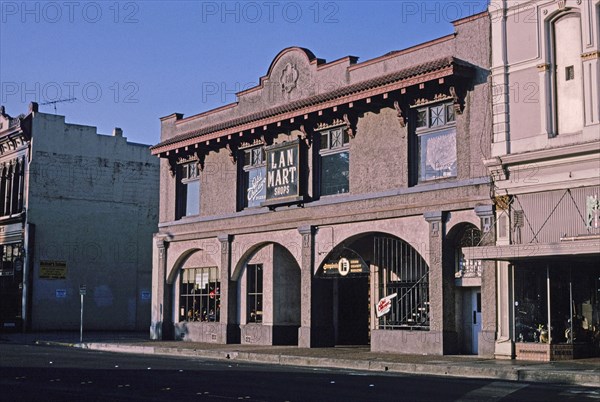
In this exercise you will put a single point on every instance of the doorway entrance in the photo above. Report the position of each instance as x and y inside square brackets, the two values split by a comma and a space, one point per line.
[476, 319]
[351, 310]
[470, 299]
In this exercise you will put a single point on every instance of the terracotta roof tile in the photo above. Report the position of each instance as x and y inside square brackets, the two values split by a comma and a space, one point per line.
[320, 98]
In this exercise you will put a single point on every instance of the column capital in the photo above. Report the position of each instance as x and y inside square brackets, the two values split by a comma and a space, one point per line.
[433, 216]
[225, 238]
[483, 211]
[303, 230]
[161, 242]
[486, 214]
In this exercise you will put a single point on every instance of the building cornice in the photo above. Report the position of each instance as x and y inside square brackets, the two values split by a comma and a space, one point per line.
[545, 154]
[434, 70]
[383, 205]
[516, 252]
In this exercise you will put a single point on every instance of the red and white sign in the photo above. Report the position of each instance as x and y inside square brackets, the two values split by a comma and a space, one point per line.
[385, 305]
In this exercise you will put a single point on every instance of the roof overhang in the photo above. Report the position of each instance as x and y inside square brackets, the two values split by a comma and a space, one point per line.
[516, 252]
[435, 70]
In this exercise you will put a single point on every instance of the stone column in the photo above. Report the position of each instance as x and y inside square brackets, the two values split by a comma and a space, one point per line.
[159, 269]
[442, 336]
[306, 278]
[230, 331]
[591, 79]
[547, 117]
[499, 80]
[487, 336]
[504, 348]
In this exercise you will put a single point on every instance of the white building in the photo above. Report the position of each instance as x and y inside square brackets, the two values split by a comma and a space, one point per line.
[76, 209]
[545, 167]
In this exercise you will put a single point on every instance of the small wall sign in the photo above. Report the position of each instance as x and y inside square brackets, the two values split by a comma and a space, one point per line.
[53, 270]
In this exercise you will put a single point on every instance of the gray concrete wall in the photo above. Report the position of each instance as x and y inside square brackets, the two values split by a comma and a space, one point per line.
[94, 202]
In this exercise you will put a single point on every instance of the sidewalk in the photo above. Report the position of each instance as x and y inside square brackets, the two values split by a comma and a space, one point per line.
[584, 372]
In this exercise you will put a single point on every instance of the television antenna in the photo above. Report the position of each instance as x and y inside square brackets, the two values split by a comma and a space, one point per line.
[58, 101]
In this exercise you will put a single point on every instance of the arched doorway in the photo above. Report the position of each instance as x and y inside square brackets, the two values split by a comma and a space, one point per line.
[353, 279]
[268, 289]
[467, 275]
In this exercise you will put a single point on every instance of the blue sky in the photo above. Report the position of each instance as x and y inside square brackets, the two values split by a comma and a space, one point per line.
[129, 63]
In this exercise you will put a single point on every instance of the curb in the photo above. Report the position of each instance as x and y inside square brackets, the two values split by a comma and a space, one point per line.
[518, 374]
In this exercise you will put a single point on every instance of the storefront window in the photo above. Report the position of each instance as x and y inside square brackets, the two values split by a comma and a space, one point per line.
[531, 303]
[254, 301]
[11, 284]
[574, 308]
[200, 294]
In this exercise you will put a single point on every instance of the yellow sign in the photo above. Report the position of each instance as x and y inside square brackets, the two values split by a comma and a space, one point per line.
[53, 270]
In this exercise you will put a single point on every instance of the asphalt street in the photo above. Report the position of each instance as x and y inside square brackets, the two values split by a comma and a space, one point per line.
[54, 373]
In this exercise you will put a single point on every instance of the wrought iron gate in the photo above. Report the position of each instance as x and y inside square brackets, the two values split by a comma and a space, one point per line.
[403, 271]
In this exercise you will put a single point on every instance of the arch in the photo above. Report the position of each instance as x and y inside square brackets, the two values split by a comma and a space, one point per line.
[183, 257]
[353, 239]
[465, 234]
[251, 251]
[395, 267]
[458, 230]
[269, 294]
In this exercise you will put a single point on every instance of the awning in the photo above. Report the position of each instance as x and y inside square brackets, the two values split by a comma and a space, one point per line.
[515, 252]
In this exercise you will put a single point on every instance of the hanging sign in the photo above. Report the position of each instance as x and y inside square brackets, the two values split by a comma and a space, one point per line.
[283, 174]
[385, 305]
[345, 267]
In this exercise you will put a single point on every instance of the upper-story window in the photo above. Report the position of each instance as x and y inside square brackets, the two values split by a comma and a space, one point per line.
[188, 190]
[567, 74]
[436, 142]
[334, 162]
[254, 178]
[11, 188]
